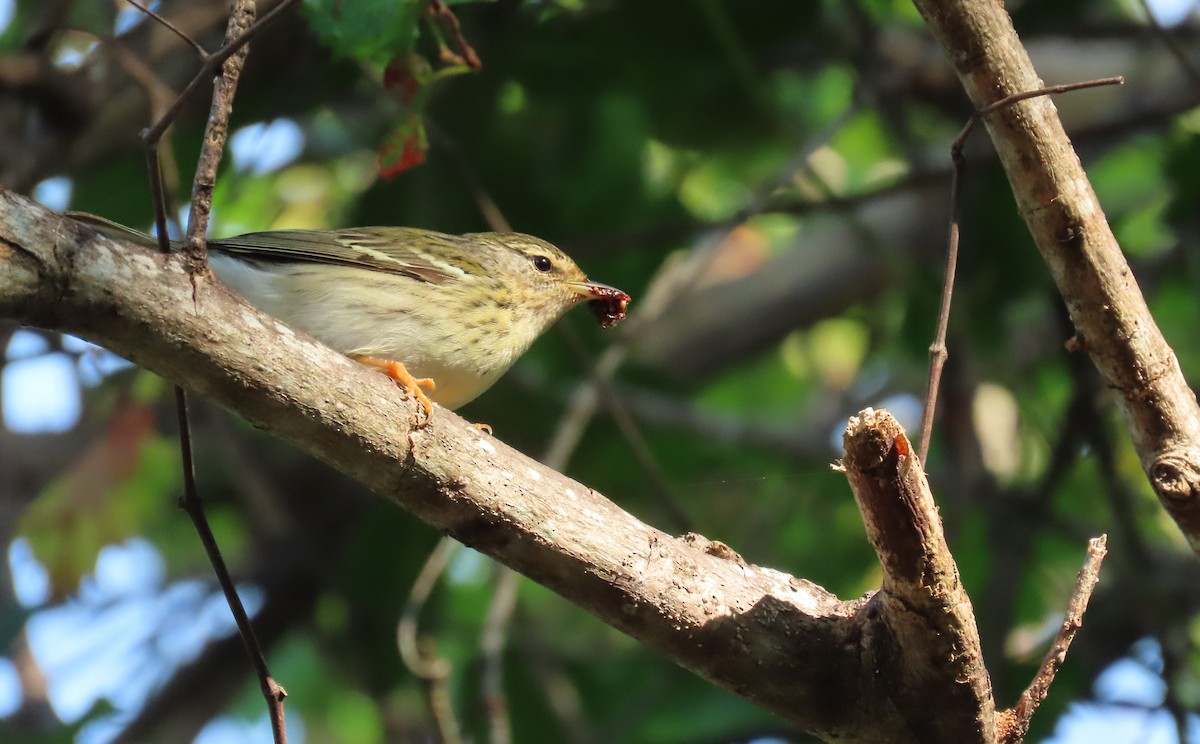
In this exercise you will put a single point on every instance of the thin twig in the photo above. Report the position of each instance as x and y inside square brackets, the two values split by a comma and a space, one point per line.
[937, 351]
[1176, 647]
[171, 27]
[1173, 45]
[492, 641]
[190, 502]
[487, 206]
[225, 87]
[467, 54]
[216, 129]
[1050, 90]
[241, 24]
[1014, 723]
[211, 64]
[421, 655]
[158, 198]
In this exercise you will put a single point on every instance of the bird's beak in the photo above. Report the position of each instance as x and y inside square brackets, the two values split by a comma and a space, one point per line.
[606, 303]
[593, 290]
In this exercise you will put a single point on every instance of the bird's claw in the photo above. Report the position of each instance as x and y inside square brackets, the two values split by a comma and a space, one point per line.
[404, 379]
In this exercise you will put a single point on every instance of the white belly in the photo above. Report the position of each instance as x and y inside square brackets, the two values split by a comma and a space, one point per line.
[380, 322]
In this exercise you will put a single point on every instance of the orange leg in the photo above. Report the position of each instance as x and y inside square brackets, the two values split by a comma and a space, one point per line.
[406, 382]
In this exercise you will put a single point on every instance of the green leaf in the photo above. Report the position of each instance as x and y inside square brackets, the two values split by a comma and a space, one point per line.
[369, 30]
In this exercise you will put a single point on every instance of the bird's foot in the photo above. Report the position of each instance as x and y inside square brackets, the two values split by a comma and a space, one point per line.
[405, 381]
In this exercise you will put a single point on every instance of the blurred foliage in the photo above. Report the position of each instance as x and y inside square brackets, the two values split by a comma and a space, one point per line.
[630, 134]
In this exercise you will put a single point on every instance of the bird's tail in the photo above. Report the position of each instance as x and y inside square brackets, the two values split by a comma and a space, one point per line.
[112, 229]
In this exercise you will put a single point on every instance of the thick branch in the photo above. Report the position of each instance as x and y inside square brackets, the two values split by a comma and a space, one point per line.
[779, 641]
[1058, 204]
[931, 644]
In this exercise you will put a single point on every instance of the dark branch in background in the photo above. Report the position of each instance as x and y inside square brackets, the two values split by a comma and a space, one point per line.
[492, 640]
[937, 351]
[1013, 724]
[172, 28]
[1173, 45]
[420, 654]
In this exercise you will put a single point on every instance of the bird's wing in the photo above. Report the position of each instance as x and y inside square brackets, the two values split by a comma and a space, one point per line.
[396, 250]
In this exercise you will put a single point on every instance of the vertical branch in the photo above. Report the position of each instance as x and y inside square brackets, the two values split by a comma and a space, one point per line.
[225, 87]
[232, 56]
[930, 626]
[1112, 321]
[492, 641]
[217, 129]
[421, 655]
[937, 351]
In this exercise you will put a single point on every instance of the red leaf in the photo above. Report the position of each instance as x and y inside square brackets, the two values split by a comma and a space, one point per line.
[405, 148]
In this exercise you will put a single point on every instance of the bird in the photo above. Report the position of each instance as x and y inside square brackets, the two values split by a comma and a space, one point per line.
[443, 315]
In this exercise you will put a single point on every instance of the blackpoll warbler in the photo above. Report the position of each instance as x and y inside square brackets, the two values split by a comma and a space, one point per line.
[418, 305]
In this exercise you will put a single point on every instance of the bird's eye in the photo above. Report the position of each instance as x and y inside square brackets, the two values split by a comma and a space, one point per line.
[541, 263]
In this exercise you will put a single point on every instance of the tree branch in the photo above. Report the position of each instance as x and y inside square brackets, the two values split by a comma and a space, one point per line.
[779, 641]
[1014, 723]
[921, 590]
[1058, 204]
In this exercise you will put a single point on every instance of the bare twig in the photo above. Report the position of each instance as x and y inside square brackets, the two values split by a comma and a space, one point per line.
[420, 655]
[190, 502]
[1013, 724]
[240, 21]
[491, 647]
[158, 197]
[466, 53]
[937, 351]
[1051, 90]
[171, 27]
[240, 29]
[211, 64]
[216, 130]
[1173, 45]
